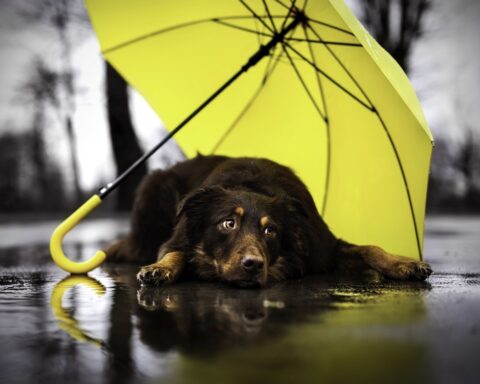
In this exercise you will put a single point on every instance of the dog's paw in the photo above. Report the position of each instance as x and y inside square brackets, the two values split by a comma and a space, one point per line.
[156, 274]
[411, 270]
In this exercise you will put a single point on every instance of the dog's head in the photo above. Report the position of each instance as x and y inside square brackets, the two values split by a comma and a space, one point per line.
[241, 237]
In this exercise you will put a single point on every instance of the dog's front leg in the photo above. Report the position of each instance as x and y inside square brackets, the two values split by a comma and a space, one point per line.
[166, 270]
[170, 263]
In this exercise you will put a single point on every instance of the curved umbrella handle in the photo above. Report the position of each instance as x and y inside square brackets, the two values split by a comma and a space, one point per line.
[57, 237]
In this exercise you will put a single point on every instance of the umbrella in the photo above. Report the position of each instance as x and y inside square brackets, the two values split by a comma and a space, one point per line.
[299, 82]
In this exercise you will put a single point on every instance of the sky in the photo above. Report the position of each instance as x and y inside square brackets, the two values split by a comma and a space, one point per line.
[445, 73]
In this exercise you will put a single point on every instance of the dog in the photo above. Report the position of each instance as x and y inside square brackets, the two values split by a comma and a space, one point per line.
[244, 221]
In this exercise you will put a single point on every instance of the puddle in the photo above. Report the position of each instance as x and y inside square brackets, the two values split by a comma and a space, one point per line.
[104, 328]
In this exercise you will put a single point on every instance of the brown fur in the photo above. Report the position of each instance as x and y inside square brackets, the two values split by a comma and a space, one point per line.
[244, 221]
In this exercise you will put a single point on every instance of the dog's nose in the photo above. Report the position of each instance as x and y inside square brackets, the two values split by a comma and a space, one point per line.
[252, 263]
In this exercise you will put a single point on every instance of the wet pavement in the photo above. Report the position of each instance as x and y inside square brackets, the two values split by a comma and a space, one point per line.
[105, 329]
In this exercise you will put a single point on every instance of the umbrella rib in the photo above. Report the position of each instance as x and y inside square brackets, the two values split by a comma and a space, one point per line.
[292, 39]
[175, 27]
[262, 32]
[319, 80]
[327, 121]
[196, 22]
[271, 65]
[259, 30]
[325, 42]
[331, 26]
[255, 15]
[283, 5]
[330, 78]
[297, 72]
[304, 5]
[245, 29]
[317, 35]
[290, 9]
[318, 21]
[390, 139]
[268, 72]
[404, 177]
[265, 5]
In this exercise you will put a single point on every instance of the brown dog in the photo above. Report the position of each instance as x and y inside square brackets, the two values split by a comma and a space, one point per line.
[244, 221]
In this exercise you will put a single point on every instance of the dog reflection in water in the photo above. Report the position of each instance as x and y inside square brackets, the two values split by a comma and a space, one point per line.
[207, 317]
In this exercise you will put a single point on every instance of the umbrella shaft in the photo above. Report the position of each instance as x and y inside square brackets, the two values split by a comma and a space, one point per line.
[263, 51]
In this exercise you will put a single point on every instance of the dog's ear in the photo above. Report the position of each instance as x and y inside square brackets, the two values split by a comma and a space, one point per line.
[298, 225]
[296, 208]
[197, 203]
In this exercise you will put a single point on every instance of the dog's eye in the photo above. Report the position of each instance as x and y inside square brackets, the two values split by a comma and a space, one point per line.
[229, 224]
[269, 231]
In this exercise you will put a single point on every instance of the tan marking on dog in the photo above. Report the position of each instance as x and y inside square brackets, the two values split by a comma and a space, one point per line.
[172, 260]
[229, 265]
[199, 249]
[249, 241]
[240, 211]
[250, 245]
[264, 220]
[206, 267]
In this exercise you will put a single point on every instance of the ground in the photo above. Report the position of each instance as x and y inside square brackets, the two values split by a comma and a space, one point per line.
[104, 328]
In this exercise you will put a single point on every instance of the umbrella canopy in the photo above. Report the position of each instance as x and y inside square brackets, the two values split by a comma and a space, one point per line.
[327, 101]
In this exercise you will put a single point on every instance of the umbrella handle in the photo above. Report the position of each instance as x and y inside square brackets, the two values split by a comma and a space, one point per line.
[57, 237]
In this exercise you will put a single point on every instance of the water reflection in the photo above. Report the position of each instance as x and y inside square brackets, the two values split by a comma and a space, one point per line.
[65, 319]
[106, 329]
[204, 319]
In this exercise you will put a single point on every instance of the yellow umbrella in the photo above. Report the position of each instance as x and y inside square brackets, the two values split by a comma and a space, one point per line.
[300, 82]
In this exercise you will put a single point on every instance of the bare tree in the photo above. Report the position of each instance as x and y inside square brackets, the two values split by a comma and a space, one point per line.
[41, 90]
[126, 148]
[61, 15]
[442, 178]
[467, 163]
[395, 24]
[11, 169]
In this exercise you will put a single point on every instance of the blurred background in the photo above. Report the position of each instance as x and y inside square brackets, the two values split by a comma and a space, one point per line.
[69, 123]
